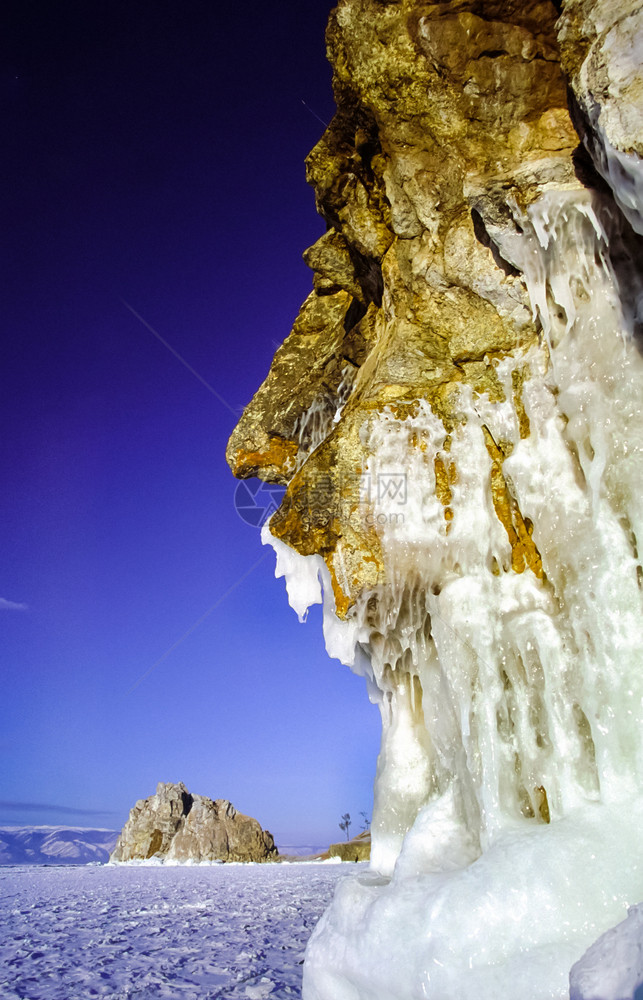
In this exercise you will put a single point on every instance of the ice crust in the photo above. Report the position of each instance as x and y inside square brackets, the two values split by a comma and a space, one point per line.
[508, 801]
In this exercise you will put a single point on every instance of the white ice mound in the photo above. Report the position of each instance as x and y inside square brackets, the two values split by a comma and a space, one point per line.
[612, 968]
[506, 927]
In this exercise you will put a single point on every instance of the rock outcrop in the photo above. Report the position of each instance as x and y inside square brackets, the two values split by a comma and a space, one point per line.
[174, 825]
[456, 416]
[422, 178]
[440, 300]
[356, 849]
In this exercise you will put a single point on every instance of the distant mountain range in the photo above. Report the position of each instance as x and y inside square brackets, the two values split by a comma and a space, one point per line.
[303, 851]
[77, 845]
[54, 845]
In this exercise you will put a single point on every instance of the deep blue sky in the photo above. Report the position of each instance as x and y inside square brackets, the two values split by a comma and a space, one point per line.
[153, 152]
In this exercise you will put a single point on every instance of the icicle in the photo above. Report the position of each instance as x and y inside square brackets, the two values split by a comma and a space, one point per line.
[316, 423]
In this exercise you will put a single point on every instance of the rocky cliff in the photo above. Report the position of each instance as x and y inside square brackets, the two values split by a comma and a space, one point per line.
[452, 121]
[174, 825]
[457, 418]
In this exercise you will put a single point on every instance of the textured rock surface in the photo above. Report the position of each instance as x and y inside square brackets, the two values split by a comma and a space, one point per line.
[356, 849]
[415, 293]
[602, 53]
[177, 826]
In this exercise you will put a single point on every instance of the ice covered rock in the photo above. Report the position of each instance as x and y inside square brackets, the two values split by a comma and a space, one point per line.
[602, 53]
[174, 825]
[612, 968]
[459, 415]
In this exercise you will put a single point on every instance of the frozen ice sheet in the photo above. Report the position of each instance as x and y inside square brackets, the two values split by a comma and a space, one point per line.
[159, 932]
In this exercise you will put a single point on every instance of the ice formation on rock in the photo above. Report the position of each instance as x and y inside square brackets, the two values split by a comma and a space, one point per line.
[602, 50]
[315, 424]
[612, 968]
[471, 516]
[511, 702]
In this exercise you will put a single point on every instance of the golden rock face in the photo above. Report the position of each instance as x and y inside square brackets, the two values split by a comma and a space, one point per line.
[451, 118]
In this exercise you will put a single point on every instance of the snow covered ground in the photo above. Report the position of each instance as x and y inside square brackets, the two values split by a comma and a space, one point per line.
[178, 933]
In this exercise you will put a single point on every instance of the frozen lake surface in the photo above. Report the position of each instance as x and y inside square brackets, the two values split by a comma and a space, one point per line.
[178, 933]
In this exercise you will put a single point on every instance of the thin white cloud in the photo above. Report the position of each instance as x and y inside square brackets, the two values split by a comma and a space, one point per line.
[11, 806]
[11, 605]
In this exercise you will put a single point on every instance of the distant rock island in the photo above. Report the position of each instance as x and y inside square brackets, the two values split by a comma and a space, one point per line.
[174, 825]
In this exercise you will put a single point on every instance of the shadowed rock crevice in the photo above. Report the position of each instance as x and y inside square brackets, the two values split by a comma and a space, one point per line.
[483, 237]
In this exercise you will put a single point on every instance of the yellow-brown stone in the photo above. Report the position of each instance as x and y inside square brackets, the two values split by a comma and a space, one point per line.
[524, 554]
[419, 177]
[518, 377]
[279, 456]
